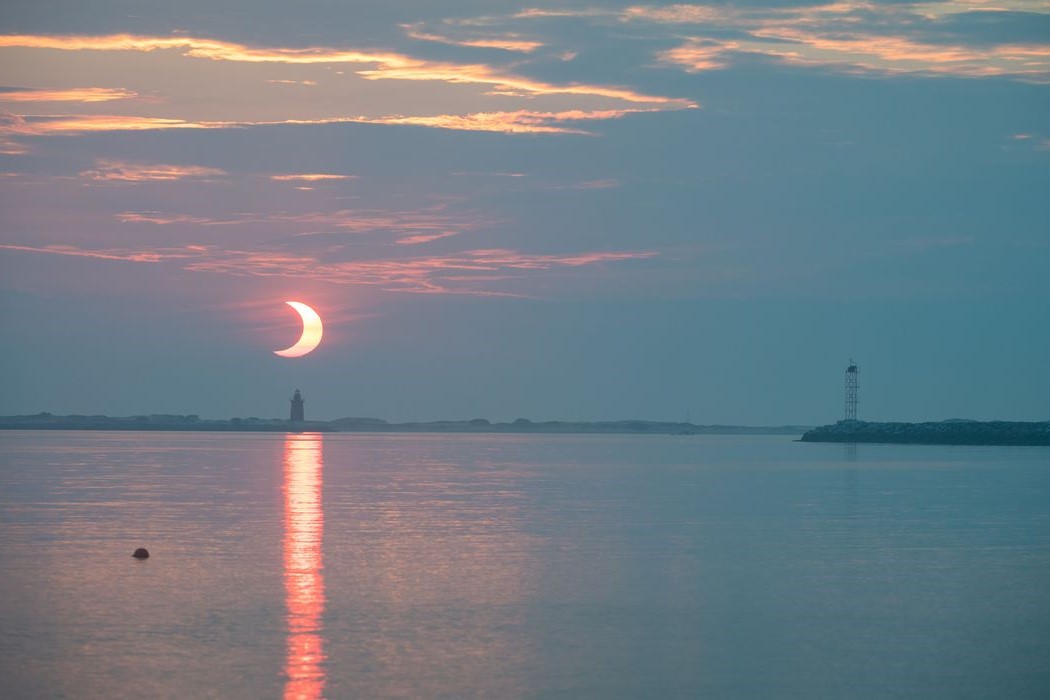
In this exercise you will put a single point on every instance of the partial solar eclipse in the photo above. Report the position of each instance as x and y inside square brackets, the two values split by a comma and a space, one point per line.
[312, 331]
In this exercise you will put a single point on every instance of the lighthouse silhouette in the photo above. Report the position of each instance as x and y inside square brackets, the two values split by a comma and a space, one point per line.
[298, 414]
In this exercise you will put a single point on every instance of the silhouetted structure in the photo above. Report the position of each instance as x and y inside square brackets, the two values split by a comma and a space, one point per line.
[298, 414]
[851, 390]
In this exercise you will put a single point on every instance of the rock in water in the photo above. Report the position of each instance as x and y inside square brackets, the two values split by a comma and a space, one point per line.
[141, 553]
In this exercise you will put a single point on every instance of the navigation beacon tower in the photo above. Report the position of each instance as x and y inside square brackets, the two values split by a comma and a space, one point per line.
[851, 390]
[298, 414]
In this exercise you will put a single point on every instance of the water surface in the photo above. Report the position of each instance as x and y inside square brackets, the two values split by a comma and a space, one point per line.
[507, 566]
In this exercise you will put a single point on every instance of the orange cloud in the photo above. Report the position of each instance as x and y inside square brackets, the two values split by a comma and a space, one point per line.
[519, 122]
[388, 65]
[93, 94]
[40, 125]
[896, 54]
[139, 172]
[698, 55]
[832, 36]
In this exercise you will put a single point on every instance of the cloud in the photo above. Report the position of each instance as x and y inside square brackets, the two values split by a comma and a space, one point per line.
[92, 94]
[385, 65]
[857, 37]
[117, 254]
[473, 96]
[435, 220]
[679, 14]
[468, 272]
[899, 54]
[482, 173]
[141, 172]
[519, 122]
[41, 125]
[606, 184]
[425, 238]
[846, 36]
[516, 122]
[14, 127]
[699, 54]
[310, 177]
[511, 42]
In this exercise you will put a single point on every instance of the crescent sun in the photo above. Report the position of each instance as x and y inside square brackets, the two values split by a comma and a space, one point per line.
[312, 331]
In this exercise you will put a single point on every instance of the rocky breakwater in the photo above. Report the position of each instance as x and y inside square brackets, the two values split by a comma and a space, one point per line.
[949, 432]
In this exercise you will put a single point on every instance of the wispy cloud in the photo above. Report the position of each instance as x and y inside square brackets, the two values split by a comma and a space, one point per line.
[310, 177]
[847, 36]
[900, 54]
[507, 42]
[699, 54]
[469, 272]
[520, 104]
[425, 238]
[142, 172]
[41, 125]
[91, 94]
[519, 122]
[383, 65]
[516, 122]
[481, 173]
[433, 221]
[606, 184]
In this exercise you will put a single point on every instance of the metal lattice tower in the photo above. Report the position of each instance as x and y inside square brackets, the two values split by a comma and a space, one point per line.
[851, 390]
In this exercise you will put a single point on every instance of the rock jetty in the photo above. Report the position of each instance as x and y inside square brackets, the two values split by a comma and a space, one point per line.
[949, 432]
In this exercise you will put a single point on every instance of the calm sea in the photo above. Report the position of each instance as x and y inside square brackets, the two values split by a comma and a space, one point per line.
[440, 566]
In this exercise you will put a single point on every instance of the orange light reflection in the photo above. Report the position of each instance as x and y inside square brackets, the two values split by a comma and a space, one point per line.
[303, 579]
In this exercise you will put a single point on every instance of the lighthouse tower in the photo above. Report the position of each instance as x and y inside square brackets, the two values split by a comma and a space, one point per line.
[298, 414]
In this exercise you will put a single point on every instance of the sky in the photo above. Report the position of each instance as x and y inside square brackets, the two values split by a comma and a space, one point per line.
[550, 210]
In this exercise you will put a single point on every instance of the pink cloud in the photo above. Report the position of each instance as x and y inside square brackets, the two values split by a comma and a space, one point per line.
[310, 177]
[141, 172]
[436, 220]
[467, 272]
[425, 238]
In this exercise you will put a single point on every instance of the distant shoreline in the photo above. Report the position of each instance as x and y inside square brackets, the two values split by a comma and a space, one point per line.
[192, 423]
[950, 432]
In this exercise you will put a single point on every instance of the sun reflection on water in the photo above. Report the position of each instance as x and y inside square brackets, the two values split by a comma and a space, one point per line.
[303, 578]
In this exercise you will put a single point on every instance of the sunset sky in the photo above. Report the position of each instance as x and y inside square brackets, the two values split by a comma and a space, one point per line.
[552, 210]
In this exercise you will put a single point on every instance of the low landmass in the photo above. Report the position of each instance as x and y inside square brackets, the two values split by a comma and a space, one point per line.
[949, 432]
[46, 421]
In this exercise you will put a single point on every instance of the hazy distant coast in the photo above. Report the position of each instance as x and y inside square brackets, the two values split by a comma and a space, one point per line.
[949, 432]
[46, 421]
